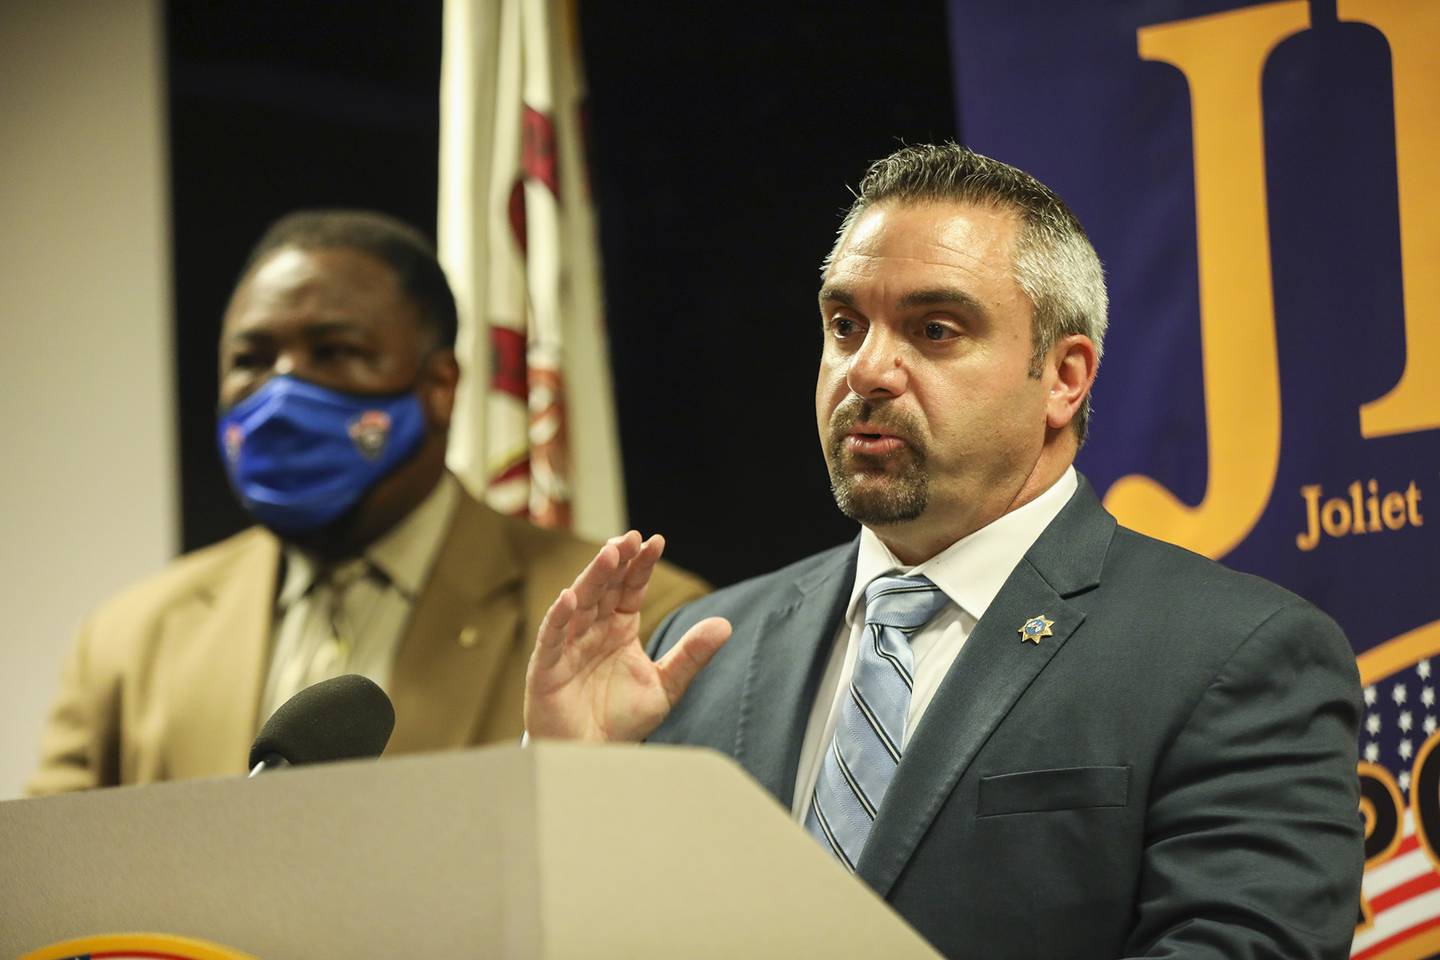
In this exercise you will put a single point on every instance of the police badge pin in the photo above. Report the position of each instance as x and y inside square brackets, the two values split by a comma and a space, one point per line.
[1035, 628]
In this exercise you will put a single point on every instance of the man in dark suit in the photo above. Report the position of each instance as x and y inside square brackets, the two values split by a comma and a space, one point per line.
[1034, 732]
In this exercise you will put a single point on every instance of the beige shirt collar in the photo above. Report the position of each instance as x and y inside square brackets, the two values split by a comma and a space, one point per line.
[970, 571]
[403, 555]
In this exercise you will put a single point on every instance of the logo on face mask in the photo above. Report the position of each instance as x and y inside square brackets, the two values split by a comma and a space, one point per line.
[233, 440]
[369, 431]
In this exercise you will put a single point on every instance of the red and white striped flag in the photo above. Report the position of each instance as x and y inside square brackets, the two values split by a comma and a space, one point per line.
[534, 431]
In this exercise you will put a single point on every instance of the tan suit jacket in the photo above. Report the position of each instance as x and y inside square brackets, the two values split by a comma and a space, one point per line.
[164, 681]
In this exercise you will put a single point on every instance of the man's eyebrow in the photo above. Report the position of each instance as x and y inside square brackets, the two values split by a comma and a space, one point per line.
[930, 297]
[248, 336]
[831, 293]
[324, 328]
[940, 296]
[321, 328]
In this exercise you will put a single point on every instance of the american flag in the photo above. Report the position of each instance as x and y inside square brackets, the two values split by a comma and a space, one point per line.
[1402, 886]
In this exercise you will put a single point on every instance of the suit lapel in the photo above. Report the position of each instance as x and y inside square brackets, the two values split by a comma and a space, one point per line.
[466, 623]
[789, 654]
[993, 670]
[217, 647]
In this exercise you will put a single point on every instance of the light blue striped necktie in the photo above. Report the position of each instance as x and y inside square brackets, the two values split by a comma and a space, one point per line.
[860, 762]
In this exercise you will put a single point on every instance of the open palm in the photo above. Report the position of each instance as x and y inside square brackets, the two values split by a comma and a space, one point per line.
[589, 677]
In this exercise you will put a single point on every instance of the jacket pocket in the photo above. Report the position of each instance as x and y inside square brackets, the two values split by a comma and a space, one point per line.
[1069, 788]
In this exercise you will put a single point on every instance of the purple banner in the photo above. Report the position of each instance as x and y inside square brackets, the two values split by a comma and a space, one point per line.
[1260, 182]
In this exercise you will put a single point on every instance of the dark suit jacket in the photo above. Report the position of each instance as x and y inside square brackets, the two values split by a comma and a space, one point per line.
[164, 680]
[1172, 774]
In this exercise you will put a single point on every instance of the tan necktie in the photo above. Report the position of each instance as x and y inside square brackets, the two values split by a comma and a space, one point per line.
[339, 605]
[331, 628]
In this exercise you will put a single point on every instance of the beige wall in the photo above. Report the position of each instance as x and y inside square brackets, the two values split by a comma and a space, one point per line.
[88, 485]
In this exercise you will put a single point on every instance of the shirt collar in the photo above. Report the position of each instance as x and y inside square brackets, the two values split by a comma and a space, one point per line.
[970, 571]
[403, 555]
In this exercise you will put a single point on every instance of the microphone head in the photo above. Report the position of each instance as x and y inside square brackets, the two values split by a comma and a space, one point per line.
[337, 719]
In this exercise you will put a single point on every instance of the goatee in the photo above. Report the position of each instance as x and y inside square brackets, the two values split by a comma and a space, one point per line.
[876, 489]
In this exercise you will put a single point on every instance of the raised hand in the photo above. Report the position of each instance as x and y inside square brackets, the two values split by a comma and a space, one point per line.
[589, 677]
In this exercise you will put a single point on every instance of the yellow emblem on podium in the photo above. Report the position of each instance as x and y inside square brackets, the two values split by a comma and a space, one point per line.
[125, 946]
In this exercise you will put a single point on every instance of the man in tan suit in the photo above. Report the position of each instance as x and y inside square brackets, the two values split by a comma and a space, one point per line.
[337, 381]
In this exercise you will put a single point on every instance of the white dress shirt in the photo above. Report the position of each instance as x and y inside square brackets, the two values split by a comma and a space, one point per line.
[970, 572]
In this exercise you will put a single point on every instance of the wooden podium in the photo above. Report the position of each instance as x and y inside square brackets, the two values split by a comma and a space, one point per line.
[557, 850]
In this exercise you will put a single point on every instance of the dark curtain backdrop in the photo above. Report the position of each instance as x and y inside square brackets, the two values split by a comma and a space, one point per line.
[722, 142]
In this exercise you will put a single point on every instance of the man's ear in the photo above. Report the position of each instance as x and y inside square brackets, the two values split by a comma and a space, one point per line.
[437, 386]
[1070, 371]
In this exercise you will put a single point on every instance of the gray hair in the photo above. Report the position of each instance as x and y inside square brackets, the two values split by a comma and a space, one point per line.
[1054, 262]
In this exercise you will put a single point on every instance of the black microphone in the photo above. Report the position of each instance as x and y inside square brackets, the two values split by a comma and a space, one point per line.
[337, 719]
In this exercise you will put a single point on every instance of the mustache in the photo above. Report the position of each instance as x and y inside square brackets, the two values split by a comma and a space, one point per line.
[853, 410]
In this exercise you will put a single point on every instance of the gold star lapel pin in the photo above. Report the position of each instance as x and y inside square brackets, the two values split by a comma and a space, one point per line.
[1035, 628]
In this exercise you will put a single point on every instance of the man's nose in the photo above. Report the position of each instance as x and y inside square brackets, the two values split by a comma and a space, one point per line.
[878, 368]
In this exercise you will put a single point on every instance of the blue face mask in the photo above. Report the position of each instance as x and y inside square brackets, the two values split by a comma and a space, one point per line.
[300, 455]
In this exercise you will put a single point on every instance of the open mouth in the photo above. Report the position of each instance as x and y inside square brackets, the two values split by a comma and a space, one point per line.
[873, 444]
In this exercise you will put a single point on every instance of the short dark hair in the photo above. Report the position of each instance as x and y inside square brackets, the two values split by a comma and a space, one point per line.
[398, 245]
[1055, 265]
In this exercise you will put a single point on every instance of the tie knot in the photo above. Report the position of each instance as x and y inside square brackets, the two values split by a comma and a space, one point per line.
[345, 575]
[904, 602]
